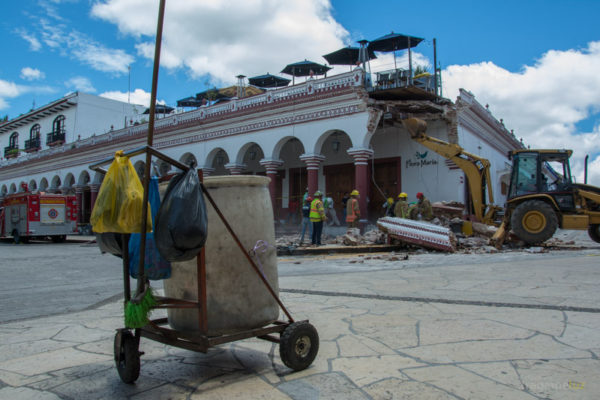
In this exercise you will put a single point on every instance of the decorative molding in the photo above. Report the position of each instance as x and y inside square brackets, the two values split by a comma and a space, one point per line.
[312, 161]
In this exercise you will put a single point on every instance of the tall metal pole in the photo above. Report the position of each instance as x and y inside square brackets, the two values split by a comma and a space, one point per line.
[435, 71]
[141, 273]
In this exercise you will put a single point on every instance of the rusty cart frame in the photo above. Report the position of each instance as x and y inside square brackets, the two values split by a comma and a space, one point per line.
[298, 340]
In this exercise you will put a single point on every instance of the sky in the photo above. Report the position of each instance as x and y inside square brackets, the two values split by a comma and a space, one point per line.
[534, 62]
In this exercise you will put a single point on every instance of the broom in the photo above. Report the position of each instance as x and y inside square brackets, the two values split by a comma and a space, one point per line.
[138, 309]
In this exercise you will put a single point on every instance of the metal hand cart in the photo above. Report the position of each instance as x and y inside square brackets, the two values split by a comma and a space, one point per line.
[298, 340]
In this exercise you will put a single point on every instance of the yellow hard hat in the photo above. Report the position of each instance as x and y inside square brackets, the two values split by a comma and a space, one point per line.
[390, 200]
[354, 193]
[403, 195]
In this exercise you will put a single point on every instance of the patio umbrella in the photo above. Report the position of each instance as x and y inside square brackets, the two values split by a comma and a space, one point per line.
[393, 42]
[268, 81]
[305, 68]
[189, 102]
[347, 56]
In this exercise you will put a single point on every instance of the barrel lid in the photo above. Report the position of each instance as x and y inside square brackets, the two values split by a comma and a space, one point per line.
[236, 180]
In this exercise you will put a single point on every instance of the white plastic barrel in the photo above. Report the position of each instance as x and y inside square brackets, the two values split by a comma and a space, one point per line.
[237, 299]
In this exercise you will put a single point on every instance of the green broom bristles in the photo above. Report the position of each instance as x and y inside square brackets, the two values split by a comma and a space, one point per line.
[136, 314]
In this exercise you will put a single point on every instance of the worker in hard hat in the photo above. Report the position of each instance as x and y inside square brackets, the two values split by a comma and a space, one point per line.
[317, 217]
[423, 209]
[353, 210]
[388, 207]
[401, 207]
[306, 223]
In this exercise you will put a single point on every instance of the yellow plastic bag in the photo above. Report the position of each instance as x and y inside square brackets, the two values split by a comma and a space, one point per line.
[118, 207]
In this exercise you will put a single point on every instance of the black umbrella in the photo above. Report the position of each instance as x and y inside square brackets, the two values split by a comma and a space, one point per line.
[160, 109]
[305, 68]
[189, 102]
[347, 56]
[393, 42]
[268, 81]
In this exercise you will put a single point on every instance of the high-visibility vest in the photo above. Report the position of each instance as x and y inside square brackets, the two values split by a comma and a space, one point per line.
[316, 210]
[350, 210]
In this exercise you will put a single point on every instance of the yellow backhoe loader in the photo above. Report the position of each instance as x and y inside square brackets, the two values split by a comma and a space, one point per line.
[541, 197]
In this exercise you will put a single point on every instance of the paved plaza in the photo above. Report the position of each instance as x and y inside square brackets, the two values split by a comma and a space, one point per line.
[513, 325]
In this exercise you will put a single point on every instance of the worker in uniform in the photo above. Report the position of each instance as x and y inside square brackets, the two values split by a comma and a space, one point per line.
[423, 209]
[317, 217]
[401, 207]
[306, 224]
[353, 210]
[388, 207]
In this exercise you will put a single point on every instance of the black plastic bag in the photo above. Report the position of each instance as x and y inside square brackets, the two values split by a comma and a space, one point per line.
[110, 242]
[181, 222]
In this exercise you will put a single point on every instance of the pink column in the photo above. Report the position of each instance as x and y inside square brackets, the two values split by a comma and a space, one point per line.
[272, 166]
[93, 194]
[79, 203]
[235, 169]
[361, 179]
[206, 171]
[313, 162]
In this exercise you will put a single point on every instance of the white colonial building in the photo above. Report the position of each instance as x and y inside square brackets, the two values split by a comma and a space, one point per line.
[334, 134]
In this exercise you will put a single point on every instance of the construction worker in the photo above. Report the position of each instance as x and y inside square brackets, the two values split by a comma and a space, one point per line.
[422, 210]
[317, 217]
[306, 223]
[353, 210]
[388, 207]
[401, 208]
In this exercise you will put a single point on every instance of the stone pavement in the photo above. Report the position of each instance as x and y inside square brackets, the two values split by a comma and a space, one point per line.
[434, 326]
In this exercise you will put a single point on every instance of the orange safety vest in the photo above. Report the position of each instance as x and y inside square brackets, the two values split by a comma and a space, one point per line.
[351, 214]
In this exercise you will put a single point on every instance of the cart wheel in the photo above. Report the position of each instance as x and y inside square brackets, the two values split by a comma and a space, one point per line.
[127, 356]
[299, 345]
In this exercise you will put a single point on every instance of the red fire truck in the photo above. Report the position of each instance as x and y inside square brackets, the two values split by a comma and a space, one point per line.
[26, 215]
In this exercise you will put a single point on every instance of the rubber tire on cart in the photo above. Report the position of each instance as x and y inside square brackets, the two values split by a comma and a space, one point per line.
[534, 221]
[299, 345]
[127, 356]
[594, 232]
[59, 238]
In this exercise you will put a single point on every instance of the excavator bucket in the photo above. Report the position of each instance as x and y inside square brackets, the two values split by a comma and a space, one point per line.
[416, 127]
[499, 237]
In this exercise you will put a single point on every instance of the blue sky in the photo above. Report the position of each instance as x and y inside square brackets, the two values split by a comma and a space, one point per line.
[535, 63]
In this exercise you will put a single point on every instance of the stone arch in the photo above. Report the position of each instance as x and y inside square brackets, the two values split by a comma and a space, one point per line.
[292, 145]
[13, 188]
[43, 185]
[216, 159]
[140, 167]
[68, 185]
[22, 187]
[3, 191]
[55, 184]
[164, 168]
[250, 155]
[188, 159]
[333, 141]
[98, 178]
[32, 185]
[84, 178]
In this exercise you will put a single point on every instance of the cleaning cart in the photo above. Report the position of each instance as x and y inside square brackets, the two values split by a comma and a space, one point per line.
[199, 300]
[191, 323]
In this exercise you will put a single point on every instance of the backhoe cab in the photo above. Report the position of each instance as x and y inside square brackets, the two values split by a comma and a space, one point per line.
[542, 197]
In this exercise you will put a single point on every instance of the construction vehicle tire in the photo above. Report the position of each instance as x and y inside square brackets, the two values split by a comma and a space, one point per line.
[534, 221]
[594, 232]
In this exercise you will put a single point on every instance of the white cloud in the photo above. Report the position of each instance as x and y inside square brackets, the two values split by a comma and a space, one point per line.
[81, 84]
[9, 90]
[77, 45]
[224, 39]
[543, 102]
[32, 74]
[34, 43]
[138, 96]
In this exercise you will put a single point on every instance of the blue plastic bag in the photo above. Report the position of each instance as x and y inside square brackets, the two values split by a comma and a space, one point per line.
[155, 265]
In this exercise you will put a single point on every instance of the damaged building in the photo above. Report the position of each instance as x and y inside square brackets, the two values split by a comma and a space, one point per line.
[335, 133]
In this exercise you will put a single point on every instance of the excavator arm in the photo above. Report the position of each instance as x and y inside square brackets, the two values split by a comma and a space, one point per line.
[476, 169]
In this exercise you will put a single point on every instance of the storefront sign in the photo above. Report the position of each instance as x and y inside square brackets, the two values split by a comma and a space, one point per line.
[420, 160]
